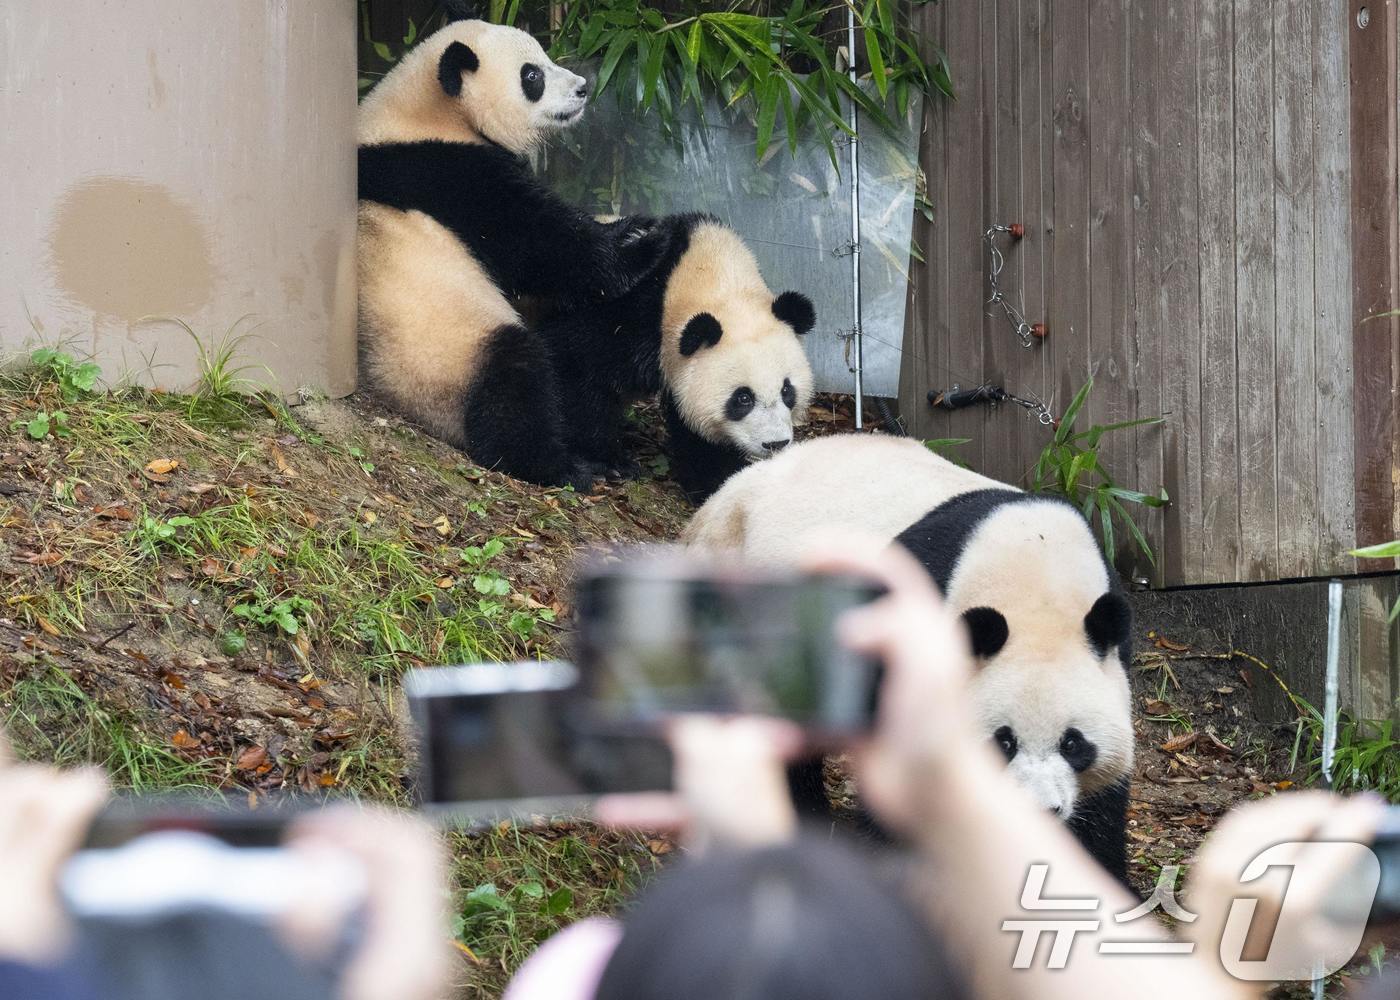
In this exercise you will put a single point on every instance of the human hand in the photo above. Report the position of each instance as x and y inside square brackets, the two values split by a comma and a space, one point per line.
[405, 954]
[730, 776]
[1308, 915]
[924, 724]
[44, 815]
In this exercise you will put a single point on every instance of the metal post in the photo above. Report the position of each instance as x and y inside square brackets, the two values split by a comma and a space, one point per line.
[855, 219]
[1334, 652]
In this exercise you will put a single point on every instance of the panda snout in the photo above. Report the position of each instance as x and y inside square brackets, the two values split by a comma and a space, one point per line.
[773, 447]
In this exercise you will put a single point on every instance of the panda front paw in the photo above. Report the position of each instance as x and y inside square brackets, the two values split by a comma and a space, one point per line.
[638, 255]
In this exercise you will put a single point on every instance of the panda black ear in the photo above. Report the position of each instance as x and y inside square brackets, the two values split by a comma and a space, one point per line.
[460, 10]
[703, 330]
[796, 310]
[988, 630]
[1108, 622]
[458, 59]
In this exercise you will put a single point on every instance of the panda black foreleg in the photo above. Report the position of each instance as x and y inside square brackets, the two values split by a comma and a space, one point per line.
[514, 413]
[1100, 824]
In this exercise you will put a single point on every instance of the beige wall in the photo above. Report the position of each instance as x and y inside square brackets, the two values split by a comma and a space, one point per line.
[180, 158]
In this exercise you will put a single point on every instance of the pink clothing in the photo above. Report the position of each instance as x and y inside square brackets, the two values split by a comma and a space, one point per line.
[569, 965]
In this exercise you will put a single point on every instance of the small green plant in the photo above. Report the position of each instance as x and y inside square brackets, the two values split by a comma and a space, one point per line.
[946, 448]
[1385, 550]
[358, 454]
[285, 614]
[1367, 755]
[155, 533]
[75, 379]
[1069, 466]
[44, 423]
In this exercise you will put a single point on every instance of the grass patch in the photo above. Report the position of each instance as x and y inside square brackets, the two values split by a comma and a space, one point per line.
[49, 717]
[514, 888]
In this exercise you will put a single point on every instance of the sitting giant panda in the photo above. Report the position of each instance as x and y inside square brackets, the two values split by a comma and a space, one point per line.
[1047, 618]
[704, 329]
[454, 226]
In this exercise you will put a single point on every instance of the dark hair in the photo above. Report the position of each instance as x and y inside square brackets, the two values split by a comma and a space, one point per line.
[807, 921]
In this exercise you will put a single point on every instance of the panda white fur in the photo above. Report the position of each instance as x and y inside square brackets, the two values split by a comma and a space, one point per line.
[703, 329]
[1048, 622]
[454, 228]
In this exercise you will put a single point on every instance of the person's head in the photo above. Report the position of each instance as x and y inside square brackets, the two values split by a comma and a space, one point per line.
[805, 921]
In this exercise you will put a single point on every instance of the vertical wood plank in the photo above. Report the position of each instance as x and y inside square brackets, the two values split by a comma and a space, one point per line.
[966, 214]
[1374, 259]
[1215, 45]
[1147, 377]
[1295, 370]
[927, 335]
[1067, 348]
[1335, 460]
[1110, 236]
[1254, 282]
[1036, 98]
[1179, 332]
[1001, 364]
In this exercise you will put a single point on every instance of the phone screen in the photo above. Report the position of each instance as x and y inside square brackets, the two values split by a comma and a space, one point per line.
[650, 646]
[500, 741]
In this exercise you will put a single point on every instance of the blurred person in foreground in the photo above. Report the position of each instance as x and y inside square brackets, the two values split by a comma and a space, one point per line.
[402, 942]
[764, 913]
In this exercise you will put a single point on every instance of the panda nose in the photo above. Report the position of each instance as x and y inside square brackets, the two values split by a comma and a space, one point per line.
[776, 446]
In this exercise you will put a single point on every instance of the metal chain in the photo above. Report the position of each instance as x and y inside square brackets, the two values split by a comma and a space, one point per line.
[955, 398]
[1024, 330]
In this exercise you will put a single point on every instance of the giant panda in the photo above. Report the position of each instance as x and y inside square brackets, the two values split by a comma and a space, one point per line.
[454, 228]
[705, 330]
[1048, 622]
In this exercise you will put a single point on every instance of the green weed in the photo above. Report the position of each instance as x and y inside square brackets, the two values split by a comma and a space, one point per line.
[1069, 466]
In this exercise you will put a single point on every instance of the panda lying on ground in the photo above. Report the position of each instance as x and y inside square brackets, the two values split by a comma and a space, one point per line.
[703, 329]
[453, 226]
[1048, 622]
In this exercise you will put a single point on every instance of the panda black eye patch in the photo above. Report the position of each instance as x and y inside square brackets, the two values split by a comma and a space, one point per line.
[1005, 739]
[741, 403]
[789, 394]
[1079, 753]
[532, 82]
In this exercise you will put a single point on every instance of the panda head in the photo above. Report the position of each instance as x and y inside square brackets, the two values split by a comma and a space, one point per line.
[732, 357]
[501, 86]
[1050, 634]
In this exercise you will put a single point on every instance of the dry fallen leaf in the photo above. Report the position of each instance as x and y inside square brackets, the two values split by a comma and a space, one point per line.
[251, 759]
[1179, 743]
[369, 516]
[283, 466]
[43, 558]
[46, 625]
[162, 466]
[442, 525]
[445, 582]
[1156, 706]
[183, 740]
[1176, 647]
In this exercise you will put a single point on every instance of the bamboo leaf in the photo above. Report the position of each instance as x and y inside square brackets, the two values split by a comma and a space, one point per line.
[1062, 433]
[1385, 550]
[651, 74]
[692, 45]
[877, 62]
[619, 45]
[767, 111]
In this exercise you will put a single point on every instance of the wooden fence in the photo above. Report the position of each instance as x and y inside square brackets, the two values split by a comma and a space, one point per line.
[1209, 193]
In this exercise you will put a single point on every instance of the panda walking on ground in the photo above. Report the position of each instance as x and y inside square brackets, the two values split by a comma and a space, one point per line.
[1048, 623]
[454, 226]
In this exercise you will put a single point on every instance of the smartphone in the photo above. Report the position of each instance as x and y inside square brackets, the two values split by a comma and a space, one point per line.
[147, 858]
[664, 632]
[503, 741]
